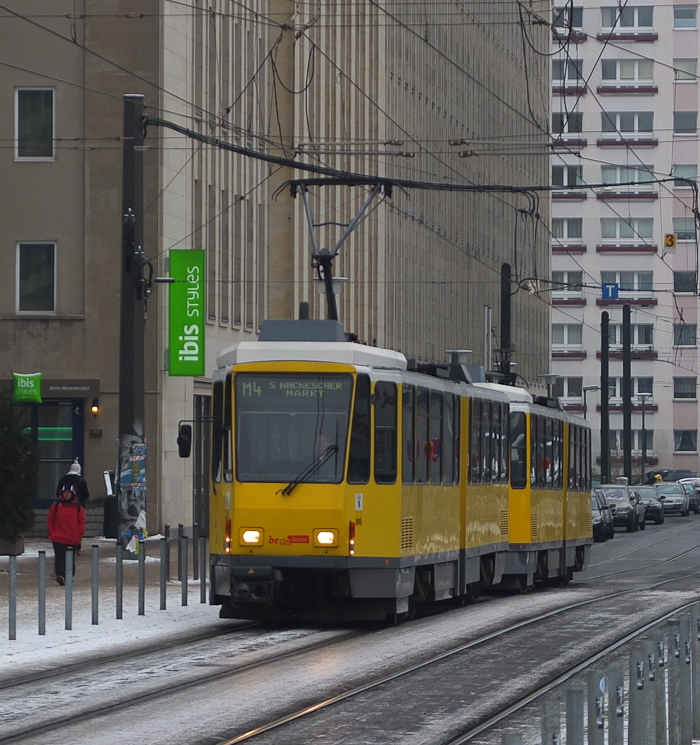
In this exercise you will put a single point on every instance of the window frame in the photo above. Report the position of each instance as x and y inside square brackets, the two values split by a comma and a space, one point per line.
[632, 222]
[568, 65]
[566, 333]
[35, 158]
[567, 119]
[679, 435]
[618, 17]
[678, 394]
[691, 76]
[685, 286]
[568, 287]
[18, 278]
[685, 27]
[679, 334]
[635, 185]
[614, 118]
[678, 130]
[692, 168]
[565, 222]
[637, 79]
[571, 15]
[682, 233]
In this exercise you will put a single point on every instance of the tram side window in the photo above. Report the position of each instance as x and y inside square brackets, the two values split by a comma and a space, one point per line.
[448, 438]
[227, 435]
[486, 442]
[456, 433]
[588, 460]
[435, 448]
[541, 450]
[549, 455]
[556, 461]
[217, 431]
[504, 444]
[408, 464]
[422, 439]
[385, 433]
[518, 451]
[475, 441]
[533, 450]
[572, 456]
[360, 435]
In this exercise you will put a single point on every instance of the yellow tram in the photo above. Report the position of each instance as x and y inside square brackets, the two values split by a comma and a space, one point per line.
[345, 485]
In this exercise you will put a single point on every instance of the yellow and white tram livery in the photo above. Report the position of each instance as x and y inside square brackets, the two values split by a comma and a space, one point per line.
[346, 486]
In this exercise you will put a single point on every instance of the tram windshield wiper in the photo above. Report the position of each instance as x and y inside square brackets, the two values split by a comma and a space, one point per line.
[310, 470]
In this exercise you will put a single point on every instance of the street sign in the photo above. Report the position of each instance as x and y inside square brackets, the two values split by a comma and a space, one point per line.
[186, 337]
[611, 291]
[670, 240]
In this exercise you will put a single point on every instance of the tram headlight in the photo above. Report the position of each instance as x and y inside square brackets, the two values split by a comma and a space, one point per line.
[325, 537]
[251, 537]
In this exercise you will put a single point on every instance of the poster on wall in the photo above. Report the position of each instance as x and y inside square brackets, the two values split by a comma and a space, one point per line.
[186, 315]
[132, 498]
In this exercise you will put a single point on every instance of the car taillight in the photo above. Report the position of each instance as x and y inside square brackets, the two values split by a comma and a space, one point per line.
[352, 538]
[227, 541]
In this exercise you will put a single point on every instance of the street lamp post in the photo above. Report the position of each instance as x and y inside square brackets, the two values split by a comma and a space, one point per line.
[644, 397]
[587, 388]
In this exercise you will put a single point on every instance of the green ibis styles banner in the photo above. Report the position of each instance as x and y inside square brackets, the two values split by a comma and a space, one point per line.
[186, 341]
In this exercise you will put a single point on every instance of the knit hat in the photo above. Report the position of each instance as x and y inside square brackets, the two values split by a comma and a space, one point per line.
[75, 468]
[70, 489]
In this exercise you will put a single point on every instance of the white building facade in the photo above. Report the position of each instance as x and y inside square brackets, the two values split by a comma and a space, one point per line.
[624, 111]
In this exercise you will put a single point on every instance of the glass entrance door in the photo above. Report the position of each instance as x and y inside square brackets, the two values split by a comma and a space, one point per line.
[57, 429]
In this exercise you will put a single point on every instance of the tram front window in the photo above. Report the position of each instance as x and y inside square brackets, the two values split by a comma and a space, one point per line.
[284, 422]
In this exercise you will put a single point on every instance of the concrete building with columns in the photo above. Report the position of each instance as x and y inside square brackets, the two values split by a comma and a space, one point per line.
[459, 95]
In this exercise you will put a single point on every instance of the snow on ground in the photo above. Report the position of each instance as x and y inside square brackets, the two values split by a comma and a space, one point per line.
[109, 635]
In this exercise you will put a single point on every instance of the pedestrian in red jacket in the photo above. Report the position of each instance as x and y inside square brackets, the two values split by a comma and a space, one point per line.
[66, 524]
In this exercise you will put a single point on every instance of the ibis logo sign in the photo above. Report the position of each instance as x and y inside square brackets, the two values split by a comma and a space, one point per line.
[27, 388]
[186, 339]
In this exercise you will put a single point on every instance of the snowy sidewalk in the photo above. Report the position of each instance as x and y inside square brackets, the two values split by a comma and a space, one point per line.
[30, 649]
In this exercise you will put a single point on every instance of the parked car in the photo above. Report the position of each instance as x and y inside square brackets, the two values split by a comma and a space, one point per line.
[669, 474]
[695, 494]
[627, 507]
[603, 524]
[674, 498]
[655, 507]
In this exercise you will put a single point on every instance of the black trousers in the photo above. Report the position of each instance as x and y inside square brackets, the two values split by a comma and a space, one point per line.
[59, 563]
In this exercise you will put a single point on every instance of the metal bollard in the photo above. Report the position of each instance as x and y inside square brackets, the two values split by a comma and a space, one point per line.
[13, 599]
[695, 654]
[659, 643]
[650, 694]
[686, 699]
[637, 687]
[95, 583]
[167, 553]
[183, 568]
[510, 738]
[180, 535]
[574, 715]
[202, 569]
[120, 578]
[195, 551]
[163, 572]
[551, 724]
[596, 707]
[142, 576]
[69, 588]
[616, 706]
[42, 593]
[674, 681]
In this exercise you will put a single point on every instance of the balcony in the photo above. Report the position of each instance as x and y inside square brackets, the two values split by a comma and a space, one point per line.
[617, 35]
[627, 248]
[627, 196]
[569, 249]
[628, 90]
[627, 142]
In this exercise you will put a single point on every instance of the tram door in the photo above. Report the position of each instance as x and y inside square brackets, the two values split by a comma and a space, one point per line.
[201, 451]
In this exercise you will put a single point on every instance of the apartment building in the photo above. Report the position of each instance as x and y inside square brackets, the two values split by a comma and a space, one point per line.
[624, 117]
[361, 87]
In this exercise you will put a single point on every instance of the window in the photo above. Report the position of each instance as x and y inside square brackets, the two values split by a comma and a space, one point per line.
[518, 451]
[567, 283]
[628, 17]
[567, 334]
[627, 70]
[616, 439]
[408, 461]
[435, 444]
[642, 334]
[685, 334]
[567, 17]
[563, 123]
[685, 388]
[360, 439]
[685, 172]
[685, 122]
[567, 228]
[568, 388]
[422, 415]
[567, 175]
[639, 385]
[34, 123]
[615, 175]
[636, 283]
[685, 281]
[36, 277]
[567, 70]
[685, 16]
[685, 440]
[385, 433]
[620, 229]
[684, 228]
[686, 69]
[627, 121]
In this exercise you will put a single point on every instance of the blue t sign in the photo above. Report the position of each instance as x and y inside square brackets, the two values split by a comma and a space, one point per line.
[610, 291]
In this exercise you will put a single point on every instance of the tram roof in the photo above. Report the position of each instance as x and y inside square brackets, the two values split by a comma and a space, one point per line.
[512, 392]
[345, 353]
